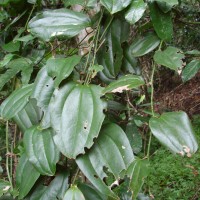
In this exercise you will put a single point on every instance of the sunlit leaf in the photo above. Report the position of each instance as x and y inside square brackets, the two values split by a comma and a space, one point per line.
[73, 193]
[60, 23]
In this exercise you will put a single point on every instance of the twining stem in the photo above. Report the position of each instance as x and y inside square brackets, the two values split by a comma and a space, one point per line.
[7, 155]
[26, 25]
[75, 176]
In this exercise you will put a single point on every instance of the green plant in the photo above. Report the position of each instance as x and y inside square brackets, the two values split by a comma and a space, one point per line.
[77, 96]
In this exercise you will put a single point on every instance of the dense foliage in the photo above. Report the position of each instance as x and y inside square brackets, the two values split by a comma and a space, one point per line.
[78, 83]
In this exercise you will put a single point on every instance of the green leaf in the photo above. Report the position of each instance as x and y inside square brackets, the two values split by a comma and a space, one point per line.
[16, 102]
[114, 6]
[55, 190]
[162, 22]
[134, 137]
[190, 70]
[171, 3]
[174, 131]
[126, 82]
[26, 176]
[4, 187]
[41, 150]
[111, 53]
[90, 193]
[61, 68]
[11, 47]
[111, 150]
[30, 115]
[135, 11]
[14, 67]
[144, 45]
[43, 89]
[73, 193]
[60, 23]
[76, 116]
[6, 60]
[170, 57]
[137, 171]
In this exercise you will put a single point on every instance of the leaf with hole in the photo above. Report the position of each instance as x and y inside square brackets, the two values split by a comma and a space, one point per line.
[137, 171]
[55, 190]
[135, 11]
[162, 22]
[61, 68]
[73, 193]
[76, 116]
[111, 150]
[170, 57]
[16, 102]
[144, 45]
[126, 82]
[60, 23]
[114, 6]
[26, 176]
[190, 70]
[174, 130]
[110, 54]
[41, 150]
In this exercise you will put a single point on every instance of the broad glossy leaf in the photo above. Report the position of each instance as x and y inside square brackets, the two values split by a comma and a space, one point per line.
[137, 171]
[114, 6]
[11, 47]
[144, 45]
[55, 190]
[61, 68]
[171, 3]
[60, 23]
[162, 22]
[13, 68]
[126, 82]
[111, 150]
[16, 102]
[30, 115]
[135, 11]
[76, 116]
[190, 70]
[110, 54]
[73, 193]
[90, 193]
[43, 89]
[26, 176]
[41, 150]
[170, 57]
[6, 60]
[174, 131]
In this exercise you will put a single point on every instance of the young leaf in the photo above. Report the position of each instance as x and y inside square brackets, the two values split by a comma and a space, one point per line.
[90, 193]
[111, 150]
[114, 6]
[142, 46]
[61, 68]
[76, 115]
[55, 190]
[126, 82]
[138, 171]
[190, 70]
[16, 102]
[135, 11]
[11, 47]
[170, 57]
[26, 176]
[73, 193]
[162, 22]
[60, 23]
[43, 89]
[41, 150]
[174, 131]
[30, 115]
[4, 187]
